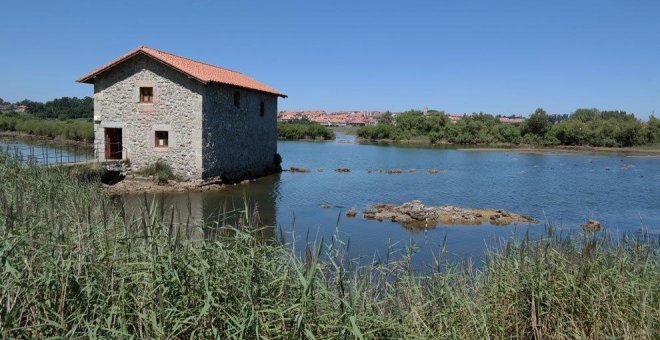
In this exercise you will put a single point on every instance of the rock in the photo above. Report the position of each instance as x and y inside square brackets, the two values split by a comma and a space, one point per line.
[417, 211]
[416, 214]
[319, 169]
[326, 206]
[343, 170]
[591, 226]
[370, 214]
[410, 171]
[247, 181]
[351, 213]
[394, 171]
[433, 171]
[299, 169]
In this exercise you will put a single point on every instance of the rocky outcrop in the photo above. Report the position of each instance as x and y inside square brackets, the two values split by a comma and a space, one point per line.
[416, 214]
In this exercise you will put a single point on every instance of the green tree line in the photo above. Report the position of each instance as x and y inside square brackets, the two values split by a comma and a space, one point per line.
[59, 108]
[303, 129]
[585, 127]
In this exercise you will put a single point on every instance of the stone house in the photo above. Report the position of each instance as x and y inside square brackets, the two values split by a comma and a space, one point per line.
[204, 121]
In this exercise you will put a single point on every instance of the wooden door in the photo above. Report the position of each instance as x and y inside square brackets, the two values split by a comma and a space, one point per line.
[113, 147]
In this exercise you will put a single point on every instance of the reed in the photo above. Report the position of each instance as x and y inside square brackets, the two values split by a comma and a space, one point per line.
[76, 263]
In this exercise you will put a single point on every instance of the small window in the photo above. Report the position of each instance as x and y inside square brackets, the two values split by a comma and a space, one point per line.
[237, 99]
[162, 139]
[146, 94]
[262, 108]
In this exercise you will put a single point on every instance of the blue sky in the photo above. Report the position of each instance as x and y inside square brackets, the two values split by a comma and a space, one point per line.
[505, 57]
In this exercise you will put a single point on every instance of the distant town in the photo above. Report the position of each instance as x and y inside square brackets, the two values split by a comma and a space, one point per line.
[362, 118]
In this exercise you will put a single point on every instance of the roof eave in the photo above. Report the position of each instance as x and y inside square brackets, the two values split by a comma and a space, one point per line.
[252, 89]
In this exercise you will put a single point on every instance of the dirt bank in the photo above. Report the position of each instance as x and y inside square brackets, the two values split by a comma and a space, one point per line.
[138, 185]
[416, 214]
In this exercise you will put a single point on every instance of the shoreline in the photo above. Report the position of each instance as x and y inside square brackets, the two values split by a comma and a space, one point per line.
[570, 149]
[416, 142]
[142, 185]
[526, 148]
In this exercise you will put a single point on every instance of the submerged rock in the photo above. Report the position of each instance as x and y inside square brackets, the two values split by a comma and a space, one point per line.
[416, 214]
[299, 169]
[591, 226]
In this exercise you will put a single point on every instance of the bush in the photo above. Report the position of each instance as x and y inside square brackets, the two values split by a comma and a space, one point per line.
[160, 170]
[304, 130]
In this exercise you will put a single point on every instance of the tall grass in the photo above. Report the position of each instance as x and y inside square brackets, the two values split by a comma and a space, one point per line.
[75, 263]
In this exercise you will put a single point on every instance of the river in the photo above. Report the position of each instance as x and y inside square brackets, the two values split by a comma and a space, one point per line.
[621, 191]
[564, 189]
[31, 151]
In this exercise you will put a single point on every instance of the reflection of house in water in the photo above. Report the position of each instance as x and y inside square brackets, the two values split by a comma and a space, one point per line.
[210, 208]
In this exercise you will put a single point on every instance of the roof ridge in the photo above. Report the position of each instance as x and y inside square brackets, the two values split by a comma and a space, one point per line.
[142, 47]
[201, 71]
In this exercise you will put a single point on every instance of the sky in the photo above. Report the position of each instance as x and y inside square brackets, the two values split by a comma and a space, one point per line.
[500, 57]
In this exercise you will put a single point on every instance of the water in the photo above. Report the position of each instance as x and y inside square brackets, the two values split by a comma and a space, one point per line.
[566, 189]
[621, 191]
[45, 154]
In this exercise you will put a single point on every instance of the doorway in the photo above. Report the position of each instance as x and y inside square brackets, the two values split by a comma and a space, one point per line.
[113, 148]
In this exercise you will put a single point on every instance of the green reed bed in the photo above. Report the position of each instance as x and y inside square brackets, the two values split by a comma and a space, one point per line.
[75, 263]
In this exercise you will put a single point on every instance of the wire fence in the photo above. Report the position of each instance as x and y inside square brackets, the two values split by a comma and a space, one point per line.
[48, 155]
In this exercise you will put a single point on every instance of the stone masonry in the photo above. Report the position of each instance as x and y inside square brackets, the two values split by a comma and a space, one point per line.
[208, 135]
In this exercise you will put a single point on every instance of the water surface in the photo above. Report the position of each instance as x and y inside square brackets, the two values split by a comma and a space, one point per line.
[621, 191]
[45, 154]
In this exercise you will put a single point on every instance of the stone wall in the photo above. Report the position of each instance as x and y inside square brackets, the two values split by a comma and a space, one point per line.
[177, 108]
[238, 142]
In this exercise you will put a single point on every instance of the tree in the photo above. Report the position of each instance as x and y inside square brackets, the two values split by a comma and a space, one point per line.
[652, 130]
[585, 115]
[411, 122]
[437, 121]
[538, 123]
[386, 118]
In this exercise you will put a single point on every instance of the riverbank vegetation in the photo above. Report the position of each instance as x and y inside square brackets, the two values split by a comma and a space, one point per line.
[80, 130]
[584, 127]
[62, 118]
[303, 129]
[76, 263]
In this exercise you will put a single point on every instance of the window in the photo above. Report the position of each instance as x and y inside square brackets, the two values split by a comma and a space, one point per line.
[146, 94]
[262, 108]
[162, 140]
[237, 99]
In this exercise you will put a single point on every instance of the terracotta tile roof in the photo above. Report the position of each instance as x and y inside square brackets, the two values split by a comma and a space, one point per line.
[202, 72]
